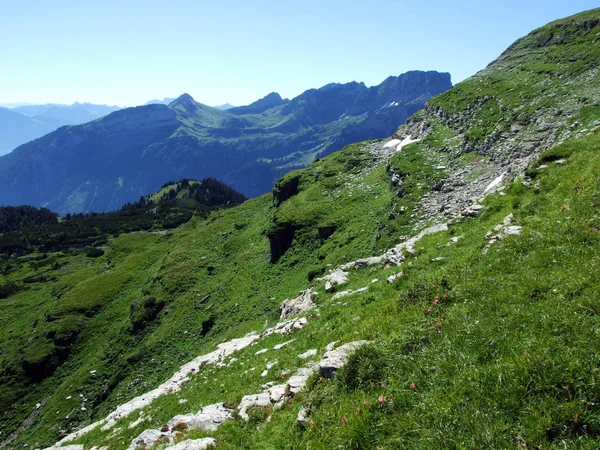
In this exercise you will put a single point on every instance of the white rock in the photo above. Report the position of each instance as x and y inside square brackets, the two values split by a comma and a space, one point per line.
[297, 382]
[347, 293]
[260, 352]
[195, 444]
[393, 277]
[308, 354]
[454, 240]
[148, 439]
[254, 400]
[336, 278]
[207, 419]
[136, 422]
[276, 393]
[280, 346]
[364, 262]
[331, 346]
[512, 230]
[286, 327]
[335, 359]
[302, 415]
[396, 254]
[304, 302]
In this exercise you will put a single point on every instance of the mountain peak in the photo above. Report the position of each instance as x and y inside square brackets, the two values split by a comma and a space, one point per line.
[267, 102]
[182, 99]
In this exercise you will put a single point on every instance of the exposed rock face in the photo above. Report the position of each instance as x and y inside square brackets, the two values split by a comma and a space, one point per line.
[285, 188]
[304, 302]
[281, 237]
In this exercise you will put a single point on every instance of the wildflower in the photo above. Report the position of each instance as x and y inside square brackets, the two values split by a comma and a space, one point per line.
[445, 296]
[436, 301]
[343, 419]
[358, 410]
[426, 287]
[412, 386]
[365, 403]
[381, 399]
[428, 310]
[382, 386]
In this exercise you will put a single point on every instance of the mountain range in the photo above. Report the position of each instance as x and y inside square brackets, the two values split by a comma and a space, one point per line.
[25, 123]
[100, 165]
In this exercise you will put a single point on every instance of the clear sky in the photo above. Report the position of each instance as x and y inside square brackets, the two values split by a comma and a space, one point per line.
[126, 52]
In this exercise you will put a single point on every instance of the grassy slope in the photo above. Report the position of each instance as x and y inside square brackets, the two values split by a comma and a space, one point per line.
[488, 363]
[216, 270]
[506, 359]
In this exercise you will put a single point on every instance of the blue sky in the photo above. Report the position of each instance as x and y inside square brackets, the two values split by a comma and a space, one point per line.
[126, 52]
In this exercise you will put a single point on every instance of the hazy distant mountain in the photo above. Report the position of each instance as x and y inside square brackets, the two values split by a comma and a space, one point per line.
[225, 107]
[101, 165]
[17, 129]
[164, 101]
[24, 123]
[74, 114]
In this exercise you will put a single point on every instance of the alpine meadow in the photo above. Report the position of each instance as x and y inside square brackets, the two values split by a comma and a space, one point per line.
[438, 288]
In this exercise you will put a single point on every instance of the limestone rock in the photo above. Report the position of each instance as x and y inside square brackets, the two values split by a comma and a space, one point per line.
[308, 354]
[297, 382]
[207, 419]
[335, 359]
[254, 400]
[195, 444]
[347, 293]
[304, 302]
[336, 278]
[149, 438]
[302, 416]
[394, 277]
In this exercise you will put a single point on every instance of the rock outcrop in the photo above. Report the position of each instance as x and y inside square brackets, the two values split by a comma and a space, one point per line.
[304, 302]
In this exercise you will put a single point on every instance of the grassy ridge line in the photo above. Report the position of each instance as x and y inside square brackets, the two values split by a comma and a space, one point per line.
[213, 275]
[505, 358]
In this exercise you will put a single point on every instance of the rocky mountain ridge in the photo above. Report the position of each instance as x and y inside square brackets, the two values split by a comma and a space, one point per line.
[133, 151]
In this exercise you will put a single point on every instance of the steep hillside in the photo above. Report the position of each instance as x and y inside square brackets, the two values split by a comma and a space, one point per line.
[17, 129]
[444, 285]
[103, 164]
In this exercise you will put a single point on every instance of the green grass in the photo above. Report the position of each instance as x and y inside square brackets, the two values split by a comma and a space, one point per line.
[506, 357]
[495, 349]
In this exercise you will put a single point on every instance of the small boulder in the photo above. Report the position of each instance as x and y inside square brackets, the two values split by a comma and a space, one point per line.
[304, 302]
[195, 444]
[336, 359]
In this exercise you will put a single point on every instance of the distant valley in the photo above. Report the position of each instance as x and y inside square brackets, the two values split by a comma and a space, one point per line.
[101, 165]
